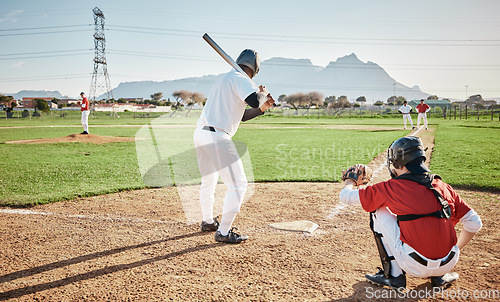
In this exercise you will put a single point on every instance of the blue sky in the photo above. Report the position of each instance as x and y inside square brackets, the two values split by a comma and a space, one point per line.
[442, 46]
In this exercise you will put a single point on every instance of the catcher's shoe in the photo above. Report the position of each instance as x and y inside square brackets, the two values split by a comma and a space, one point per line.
[393, 282]
[210, 227]
[231, 237]
[444, 281]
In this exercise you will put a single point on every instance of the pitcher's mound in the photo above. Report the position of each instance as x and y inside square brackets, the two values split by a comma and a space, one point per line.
[76, 138]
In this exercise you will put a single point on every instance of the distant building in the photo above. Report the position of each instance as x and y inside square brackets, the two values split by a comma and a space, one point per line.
[128, 100]
[121, 107]
[67, 102]
[488, 103]
[432, 103]
[30, 102]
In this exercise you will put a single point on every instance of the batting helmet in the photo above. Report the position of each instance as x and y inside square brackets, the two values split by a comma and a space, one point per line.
[407, 151]
[249, 58]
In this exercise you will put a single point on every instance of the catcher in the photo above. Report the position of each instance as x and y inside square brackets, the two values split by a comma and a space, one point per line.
[412, 217]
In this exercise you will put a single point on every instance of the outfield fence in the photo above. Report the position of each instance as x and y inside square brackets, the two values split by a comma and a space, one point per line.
[457, 113]
[388, 112]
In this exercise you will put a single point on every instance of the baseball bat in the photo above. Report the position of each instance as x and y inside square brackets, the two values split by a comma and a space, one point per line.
[224, 55]
[228, 59]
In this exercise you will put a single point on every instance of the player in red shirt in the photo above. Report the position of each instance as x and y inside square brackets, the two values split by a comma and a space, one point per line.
[85, 113]
[412, 217]
[422, 110]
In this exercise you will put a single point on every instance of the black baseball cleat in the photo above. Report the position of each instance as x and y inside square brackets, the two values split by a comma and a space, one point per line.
[84, 132]
[444, 281]
[231, 237]
[393, 282]
[413, 128]
[210, 227]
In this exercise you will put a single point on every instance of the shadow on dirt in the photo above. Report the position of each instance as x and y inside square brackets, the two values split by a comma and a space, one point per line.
[16, 293]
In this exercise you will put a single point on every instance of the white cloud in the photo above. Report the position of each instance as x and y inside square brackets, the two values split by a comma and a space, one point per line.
[17, 64]
[10, 17]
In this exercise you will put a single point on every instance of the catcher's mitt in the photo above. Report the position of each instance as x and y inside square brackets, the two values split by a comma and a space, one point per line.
[360, 174]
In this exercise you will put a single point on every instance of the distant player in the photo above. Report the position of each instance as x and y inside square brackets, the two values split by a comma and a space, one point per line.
[216, 152]
[405, 110]
[422, 110]
[85, 113]
[413, 218]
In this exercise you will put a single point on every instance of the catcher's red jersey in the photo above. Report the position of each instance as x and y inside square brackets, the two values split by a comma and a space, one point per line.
[430, 236]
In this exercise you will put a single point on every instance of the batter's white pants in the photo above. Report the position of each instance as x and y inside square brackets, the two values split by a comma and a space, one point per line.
[85, 120]
[407, 117]
[385, 222]
[218, 156]
[422, 116]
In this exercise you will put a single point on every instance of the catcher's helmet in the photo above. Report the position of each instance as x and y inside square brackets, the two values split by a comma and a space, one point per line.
[249, 58]
[407, 151]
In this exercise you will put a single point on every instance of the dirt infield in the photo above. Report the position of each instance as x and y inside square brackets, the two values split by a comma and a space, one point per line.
[76, 138]
[137, 246]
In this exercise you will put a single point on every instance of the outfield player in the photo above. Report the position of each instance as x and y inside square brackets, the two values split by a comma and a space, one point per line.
[412, 217]
[422, 110]
[85, 113]
[216, 152]
[405, 110]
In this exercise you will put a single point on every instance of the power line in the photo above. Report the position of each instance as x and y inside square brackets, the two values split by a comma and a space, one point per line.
[43, 33]
[44, 27]
[45, 77]
[311, 39]
[43, 52]
[304, 37]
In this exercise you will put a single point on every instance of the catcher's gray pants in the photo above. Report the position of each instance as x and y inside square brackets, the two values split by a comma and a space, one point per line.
[217, 156]
[385, 222]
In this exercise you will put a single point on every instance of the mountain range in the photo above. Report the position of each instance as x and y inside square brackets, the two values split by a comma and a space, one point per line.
[347, 76]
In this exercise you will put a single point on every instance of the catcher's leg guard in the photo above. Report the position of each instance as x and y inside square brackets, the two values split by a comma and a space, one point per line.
[384, 257]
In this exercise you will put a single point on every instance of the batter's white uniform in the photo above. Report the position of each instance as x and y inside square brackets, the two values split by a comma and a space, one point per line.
[216, 152]
[405, 110]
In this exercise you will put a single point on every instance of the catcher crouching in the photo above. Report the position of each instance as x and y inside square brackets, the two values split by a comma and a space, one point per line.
[412, 217]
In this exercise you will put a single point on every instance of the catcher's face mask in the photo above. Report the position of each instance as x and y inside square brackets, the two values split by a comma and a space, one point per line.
[390, 158]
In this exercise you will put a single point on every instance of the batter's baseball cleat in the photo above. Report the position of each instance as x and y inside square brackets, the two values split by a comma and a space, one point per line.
[444, 281]
[393, 282]
[210, 227]
[231, 237]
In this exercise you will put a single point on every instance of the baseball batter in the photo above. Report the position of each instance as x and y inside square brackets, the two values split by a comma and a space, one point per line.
[217, 155]
[85, 113]
[405, 110]
[412, 217]
[422, 110]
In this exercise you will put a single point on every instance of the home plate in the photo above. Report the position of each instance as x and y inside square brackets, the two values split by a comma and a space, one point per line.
[295, 226]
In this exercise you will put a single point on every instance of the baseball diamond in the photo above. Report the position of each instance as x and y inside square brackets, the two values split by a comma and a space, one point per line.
[138, 244]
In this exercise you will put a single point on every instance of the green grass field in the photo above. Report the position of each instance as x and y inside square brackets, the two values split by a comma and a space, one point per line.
[465, 154]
